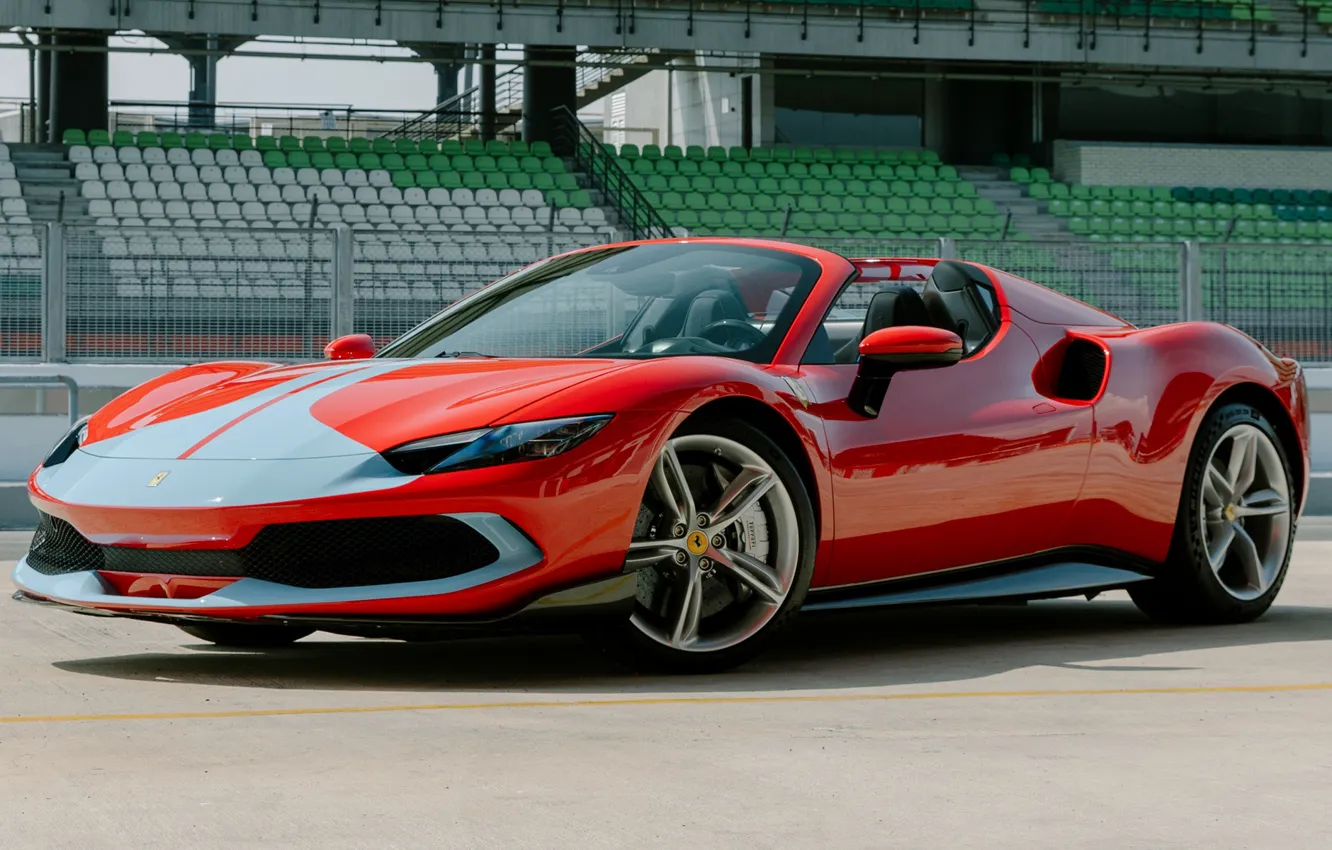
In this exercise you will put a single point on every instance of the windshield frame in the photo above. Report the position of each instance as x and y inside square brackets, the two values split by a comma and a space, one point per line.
[456, 316]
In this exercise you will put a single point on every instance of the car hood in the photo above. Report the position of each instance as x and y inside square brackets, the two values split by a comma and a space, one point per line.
[261, 411]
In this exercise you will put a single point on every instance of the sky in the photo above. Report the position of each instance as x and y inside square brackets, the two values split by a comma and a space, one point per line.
[250, 79]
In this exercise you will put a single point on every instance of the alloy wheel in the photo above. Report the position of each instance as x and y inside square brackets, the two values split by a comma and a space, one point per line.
[1244, 513]
[716, 545]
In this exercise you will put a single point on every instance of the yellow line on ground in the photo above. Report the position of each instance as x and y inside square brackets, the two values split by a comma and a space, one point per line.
[652, 701]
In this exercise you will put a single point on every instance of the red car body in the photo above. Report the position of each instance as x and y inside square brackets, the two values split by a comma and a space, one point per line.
[979, 463]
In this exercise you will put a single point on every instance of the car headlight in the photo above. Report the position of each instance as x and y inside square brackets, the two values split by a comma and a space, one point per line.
[76, 436]
[494, 446]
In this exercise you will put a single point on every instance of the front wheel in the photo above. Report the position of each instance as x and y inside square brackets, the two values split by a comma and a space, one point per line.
[724, 547]
[1235, 527]
[248, 635]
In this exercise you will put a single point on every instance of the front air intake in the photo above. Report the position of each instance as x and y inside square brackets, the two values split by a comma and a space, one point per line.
[335, 553]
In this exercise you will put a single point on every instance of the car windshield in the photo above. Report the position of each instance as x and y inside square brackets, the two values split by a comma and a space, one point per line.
[657, 299]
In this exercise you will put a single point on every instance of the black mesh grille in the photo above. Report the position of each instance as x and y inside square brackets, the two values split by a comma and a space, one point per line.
[337, 553]
[1082, 371]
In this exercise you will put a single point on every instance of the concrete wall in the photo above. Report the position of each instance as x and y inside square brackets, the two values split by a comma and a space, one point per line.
[693, 106]
[1114, 163]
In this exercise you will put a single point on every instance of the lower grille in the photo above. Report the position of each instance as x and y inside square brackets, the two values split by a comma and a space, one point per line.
[335, 553]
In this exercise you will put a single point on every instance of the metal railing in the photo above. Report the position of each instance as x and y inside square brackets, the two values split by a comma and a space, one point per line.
[137, 294]
[617, 188]
[256, 119]
[461, 115]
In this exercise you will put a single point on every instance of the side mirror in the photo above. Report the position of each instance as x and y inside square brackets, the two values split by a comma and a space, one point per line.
[888, 351]
[911, 347]
[350, 347]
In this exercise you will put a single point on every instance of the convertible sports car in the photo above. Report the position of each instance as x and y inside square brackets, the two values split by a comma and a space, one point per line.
[676, 446]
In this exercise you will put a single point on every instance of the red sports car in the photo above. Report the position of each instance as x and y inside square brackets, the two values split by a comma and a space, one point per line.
[681, 444]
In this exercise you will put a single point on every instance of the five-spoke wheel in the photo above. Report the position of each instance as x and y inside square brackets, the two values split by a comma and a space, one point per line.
[1236, 522]
[722, 546]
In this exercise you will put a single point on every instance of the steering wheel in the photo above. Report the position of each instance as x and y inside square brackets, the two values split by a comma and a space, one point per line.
[735, 334]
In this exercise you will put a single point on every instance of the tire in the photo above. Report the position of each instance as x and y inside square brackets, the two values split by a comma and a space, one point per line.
[248, 635]
[737, 631]
[1258, 522]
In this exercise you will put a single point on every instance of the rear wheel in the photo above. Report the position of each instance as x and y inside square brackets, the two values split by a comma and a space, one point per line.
[245, 634]
[724, 544]
[1235, 527]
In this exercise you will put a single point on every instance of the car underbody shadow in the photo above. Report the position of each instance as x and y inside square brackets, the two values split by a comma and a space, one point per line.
[948, 646]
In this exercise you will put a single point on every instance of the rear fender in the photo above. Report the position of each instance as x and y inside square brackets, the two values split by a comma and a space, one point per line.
[1162, 382]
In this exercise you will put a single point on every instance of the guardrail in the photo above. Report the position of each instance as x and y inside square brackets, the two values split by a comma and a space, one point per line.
[57, 379]
[87, 294]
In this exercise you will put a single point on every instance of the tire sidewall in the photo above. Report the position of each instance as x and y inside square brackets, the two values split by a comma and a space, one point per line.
[1189, 550]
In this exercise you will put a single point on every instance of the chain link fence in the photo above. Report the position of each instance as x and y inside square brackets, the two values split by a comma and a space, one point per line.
[189, 294]
[1279, 295]
[1139, 282]
[22, 256]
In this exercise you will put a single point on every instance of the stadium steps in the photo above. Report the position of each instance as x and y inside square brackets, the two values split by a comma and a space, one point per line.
[45, 173]
[993, 183]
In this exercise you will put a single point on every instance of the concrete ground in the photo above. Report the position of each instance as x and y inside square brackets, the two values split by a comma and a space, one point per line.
[1065, 724]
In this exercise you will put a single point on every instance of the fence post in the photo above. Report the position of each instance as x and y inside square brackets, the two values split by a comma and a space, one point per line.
[53, 294]
[342, 302]
[947, 248]
[1190, 282]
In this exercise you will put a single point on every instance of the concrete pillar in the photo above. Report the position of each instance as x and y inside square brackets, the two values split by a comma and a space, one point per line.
[488, 106]
[446, 82]
[75, 83]
[546, 87]
[203, 82]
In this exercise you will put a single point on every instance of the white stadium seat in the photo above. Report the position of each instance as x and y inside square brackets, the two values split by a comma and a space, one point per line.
[463, 198]
[129, 155]
[143, 190]
[260, 175]
[117, 189]
[235, 175]
[251, 158]
[177, 209]
[380, 178]
[439, 197]
[533, 198]
[178, 156]
[414, 196]
[331, 177]
[203, 210]
[126, 208]
[366, 195]
[186, 173]
[137, 172]
[307, 177]
[284, 176]
[426, 215]
[228, 210]
[93, 189]
[154, 156]
[227, 158]
[390, 196]
[202, 156]
[103, 155]
[268, 193]
[486, 197]
[210, 174]
[194, 191]
[243, 192]
[355, 177]
[87, 171]
[291, 193]
[80, 153]
[219, 192]
[100, 208]
[279, 211]
[151, 208]
[112, 171]
[342, 195]
[169, 191]
[353, 213]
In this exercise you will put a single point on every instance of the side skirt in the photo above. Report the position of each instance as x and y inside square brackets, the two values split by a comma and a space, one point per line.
[1073, 572]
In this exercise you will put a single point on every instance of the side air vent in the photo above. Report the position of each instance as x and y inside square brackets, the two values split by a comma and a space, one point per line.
[1081, 371]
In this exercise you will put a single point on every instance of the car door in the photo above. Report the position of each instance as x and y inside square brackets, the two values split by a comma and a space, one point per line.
[964, 465]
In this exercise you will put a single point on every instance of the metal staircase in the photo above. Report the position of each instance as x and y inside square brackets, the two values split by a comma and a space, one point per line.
[598, 75]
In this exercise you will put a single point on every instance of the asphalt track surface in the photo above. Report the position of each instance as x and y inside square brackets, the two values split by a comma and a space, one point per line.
[1065, 724]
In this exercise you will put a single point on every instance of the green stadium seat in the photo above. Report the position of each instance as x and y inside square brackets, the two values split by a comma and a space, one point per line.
[404, 179]
[196, 141]
[98, 138]
[275, 159]
[122, 139]
[74, 137]
[298, 159]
